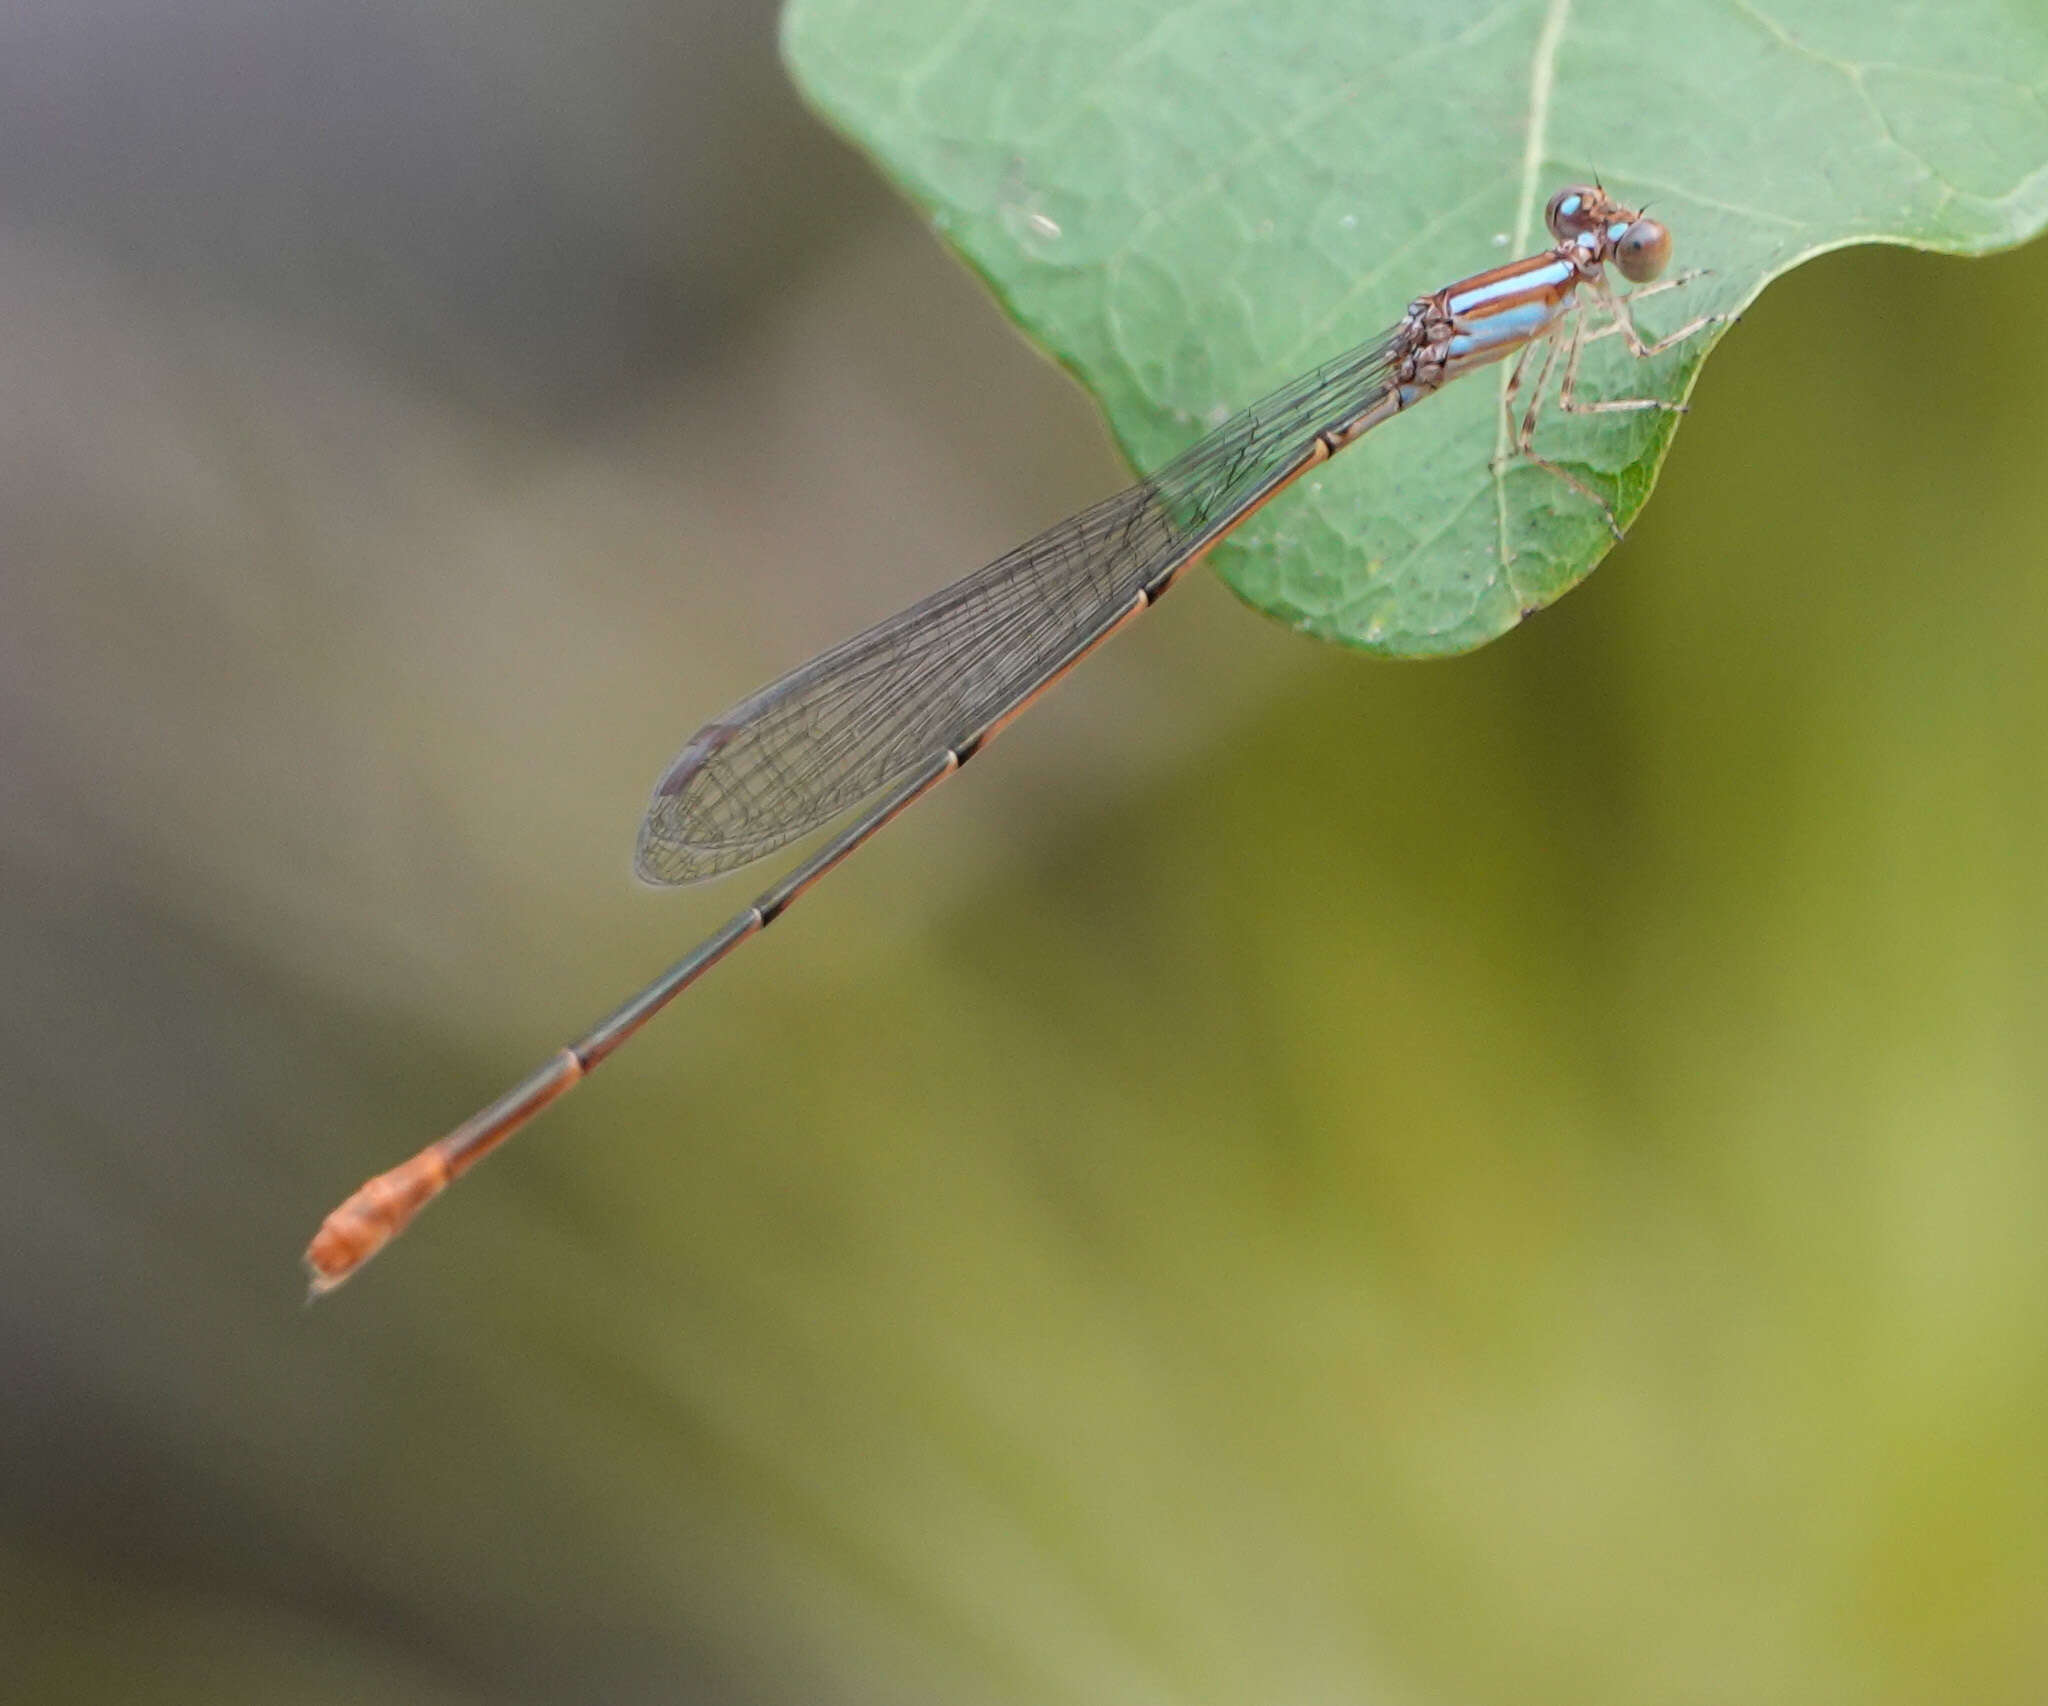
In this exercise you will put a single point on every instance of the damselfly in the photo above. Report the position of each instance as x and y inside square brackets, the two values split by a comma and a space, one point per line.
[904, 705]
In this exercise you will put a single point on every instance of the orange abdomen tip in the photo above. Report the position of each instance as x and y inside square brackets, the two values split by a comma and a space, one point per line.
[371, 1218]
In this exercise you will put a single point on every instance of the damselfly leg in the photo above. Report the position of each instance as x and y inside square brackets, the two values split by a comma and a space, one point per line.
[1569, 346]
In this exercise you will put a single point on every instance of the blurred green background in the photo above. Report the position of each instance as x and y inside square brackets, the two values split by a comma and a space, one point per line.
[1513, 1180]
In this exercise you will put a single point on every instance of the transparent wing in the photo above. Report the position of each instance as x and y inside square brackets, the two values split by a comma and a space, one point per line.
[856, 718]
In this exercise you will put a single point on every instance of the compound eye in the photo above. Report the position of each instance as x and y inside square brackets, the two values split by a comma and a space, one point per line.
[1571, 211]
[1643, 251]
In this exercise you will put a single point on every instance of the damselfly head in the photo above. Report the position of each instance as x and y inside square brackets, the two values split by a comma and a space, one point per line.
[1584, 216]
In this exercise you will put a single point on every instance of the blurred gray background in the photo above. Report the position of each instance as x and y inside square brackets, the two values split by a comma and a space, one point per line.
[1297, 1179]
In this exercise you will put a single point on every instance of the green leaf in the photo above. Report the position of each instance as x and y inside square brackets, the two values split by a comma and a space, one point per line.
[1188, 205]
